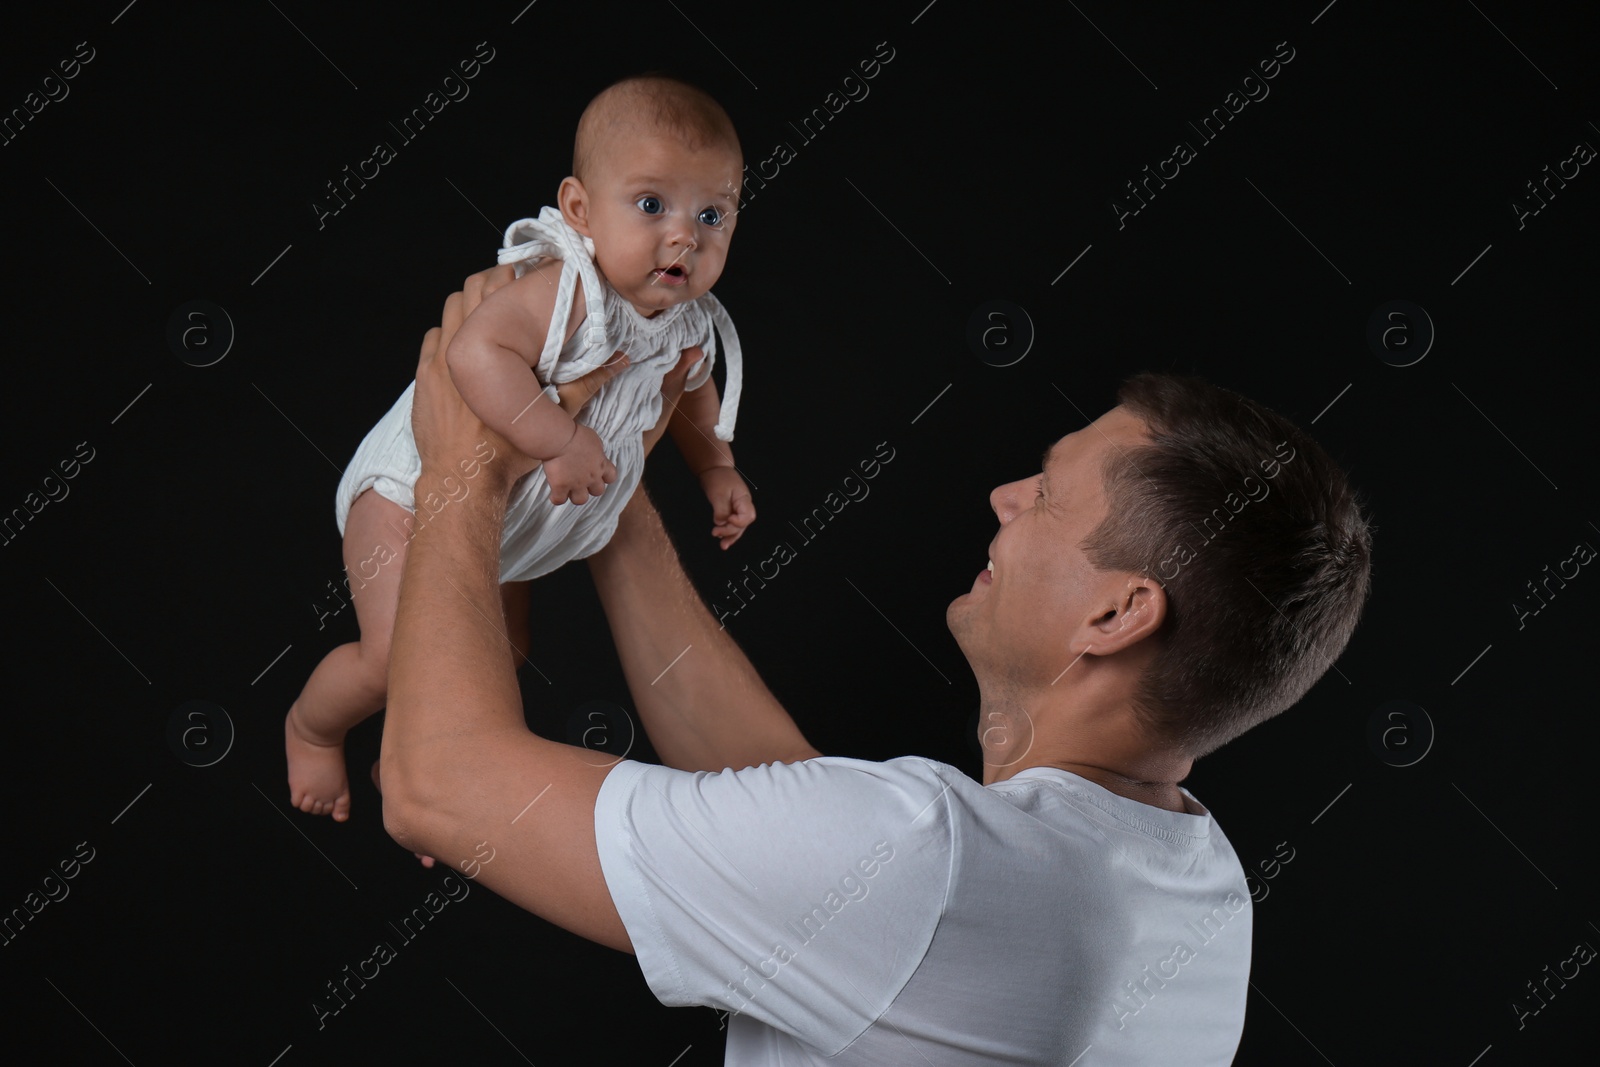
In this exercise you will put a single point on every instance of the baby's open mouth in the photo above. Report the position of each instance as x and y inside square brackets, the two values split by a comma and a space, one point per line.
[673, 271]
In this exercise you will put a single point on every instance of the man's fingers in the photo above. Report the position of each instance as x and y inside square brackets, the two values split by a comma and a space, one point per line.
[478, 286]
[497, 277]
[454, 313]
[672, 385]
[671, 390]
[677, 378]
[430, 346]
[578, 392]
[433, 344]
[459, 305]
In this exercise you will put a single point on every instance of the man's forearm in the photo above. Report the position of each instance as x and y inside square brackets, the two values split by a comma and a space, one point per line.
[703, 704]
[450, 681]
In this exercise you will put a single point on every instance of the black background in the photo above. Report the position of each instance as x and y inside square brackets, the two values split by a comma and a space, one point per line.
[186, 562]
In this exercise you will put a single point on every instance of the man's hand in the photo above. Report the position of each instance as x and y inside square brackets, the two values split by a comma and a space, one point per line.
[446, 430]
[574, 394]
[578, 392]
[731, 505]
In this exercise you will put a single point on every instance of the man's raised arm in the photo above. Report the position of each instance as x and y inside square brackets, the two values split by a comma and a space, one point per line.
[710, 710]
[702, 703]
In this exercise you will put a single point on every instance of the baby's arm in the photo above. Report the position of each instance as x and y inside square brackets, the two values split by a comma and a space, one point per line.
[491, 360]
[693, 427]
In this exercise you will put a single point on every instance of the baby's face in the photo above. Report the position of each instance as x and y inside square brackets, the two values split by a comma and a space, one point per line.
[661, 217]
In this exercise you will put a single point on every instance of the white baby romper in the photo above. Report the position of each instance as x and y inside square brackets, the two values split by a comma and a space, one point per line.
[538, 537]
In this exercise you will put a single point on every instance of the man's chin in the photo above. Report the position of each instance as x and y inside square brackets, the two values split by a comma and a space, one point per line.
[956, 618]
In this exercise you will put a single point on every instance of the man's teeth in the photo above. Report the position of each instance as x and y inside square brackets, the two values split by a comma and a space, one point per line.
[991, 566]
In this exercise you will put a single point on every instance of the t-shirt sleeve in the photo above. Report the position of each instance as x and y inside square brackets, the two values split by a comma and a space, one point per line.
[803, 895]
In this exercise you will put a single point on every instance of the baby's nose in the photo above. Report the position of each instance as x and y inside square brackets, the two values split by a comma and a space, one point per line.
[682, 233]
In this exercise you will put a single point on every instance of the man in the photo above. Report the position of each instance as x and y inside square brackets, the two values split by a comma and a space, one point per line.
[1182, 569]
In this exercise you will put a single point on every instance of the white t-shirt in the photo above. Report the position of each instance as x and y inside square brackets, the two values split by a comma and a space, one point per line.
[851, 912]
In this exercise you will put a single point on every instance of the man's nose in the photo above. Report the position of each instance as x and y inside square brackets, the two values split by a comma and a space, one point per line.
[1006, 500]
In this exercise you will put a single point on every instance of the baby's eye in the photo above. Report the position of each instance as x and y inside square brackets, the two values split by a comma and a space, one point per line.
[650, 205]
[711, 217]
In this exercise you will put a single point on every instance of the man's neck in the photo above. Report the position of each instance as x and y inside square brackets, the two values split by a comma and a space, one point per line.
[1112, 756]
[1159, 794]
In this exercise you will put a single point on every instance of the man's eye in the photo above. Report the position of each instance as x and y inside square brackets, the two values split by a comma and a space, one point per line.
[711, 216]
[650, 205]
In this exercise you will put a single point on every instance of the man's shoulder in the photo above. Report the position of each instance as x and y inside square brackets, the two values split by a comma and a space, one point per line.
[827, 794]
[818, 774]
[908, 776]
[897, 769]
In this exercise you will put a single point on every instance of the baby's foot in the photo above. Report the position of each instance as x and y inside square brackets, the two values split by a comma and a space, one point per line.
[317, 781]
[427, 861]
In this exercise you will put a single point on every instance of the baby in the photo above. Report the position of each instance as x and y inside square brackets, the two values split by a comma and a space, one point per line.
[639, 238]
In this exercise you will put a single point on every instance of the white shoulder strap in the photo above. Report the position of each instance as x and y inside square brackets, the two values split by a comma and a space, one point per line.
[734, 358]
[527, 241]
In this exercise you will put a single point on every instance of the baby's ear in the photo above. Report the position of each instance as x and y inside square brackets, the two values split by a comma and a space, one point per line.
[573, 200]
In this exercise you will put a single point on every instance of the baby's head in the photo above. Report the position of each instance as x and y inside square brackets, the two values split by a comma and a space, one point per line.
[655, 184]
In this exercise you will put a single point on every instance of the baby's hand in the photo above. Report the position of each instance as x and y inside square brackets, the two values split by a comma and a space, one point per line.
[731, 505]
[581, 470]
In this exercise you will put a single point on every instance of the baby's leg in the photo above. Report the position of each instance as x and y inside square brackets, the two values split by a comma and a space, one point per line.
[351, 682]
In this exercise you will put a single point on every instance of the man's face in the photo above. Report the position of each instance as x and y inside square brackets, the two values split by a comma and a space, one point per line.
[661, 217]
[1015, 624]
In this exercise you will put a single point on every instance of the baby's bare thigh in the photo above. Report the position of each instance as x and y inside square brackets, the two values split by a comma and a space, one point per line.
[374, 555]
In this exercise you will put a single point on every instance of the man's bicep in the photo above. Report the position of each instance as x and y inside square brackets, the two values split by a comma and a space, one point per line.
[520, 820]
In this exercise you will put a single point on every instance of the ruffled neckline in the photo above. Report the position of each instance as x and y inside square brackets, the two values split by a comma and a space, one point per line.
[653, 325]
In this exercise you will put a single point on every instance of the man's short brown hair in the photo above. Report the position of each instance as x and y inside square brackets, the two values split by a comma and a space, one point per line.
[1260, 543]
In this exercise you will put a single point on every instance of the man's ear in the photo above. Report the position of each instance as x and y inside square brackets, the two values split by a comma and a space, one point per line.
[573, 199]
[1137, 610]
